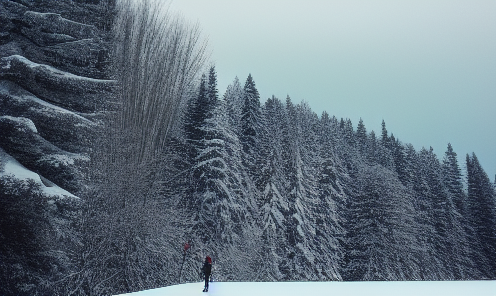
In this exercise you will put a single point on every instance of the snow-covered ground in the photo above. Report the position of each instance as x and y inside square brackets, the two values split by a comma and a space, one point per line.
[448, 288]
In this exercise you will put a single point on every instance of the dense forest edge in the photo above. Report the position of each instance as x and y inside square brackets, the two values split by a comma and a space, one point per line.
[127, 151]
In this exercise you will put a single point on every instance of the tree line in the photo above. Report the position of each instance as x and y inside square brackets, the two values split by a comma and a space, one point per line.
[326, 201]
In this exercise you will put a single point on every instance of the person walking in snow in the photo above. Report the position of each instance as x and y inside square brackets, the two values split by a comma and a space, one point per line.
[207, 270]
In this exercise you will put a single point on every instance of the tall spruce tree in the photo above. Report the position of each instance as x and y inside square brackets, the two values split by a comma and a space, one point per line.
[331, 213]
[453, 177]
[361, 136]
[372, 145]
[302, 194]
[250, 126]
[482, 217]
[273, 203]
[212, 91]
[439, 198]
[206, 135]
[460, 251]
[198, 107]
[431, 260]
[200, 199]
[384, 134]
[234, 105]
[399, 160]
[385, 155]
[250, 119]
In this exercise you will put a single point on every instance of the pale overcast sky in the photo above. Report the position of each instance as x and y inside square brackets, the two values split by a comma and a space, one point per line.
[428, 68]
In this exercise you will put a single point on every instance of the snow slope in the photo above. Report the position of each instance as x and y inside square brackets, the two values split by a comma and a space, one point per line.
[420, 288]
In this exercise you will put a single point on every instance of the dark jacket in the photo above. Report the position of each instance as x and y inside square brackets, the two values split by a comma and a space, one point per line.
[207, 268]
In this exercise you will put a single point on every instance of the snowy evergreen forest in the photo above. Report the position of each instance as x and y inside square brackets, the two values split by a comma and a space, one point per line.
[317, 199]
[266, 187]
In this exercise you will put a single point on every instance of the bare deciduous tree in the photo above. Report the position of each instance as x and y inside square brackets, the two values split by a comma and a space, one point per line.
[157, 58]
[129, 224]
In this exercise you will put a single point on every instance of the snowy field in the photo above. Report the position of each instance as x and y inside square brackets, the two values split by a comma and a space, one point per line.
[458, 288]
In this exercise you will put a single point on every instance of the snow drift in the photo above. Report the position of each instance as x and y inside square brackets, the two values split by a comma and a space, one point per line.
[424, 288]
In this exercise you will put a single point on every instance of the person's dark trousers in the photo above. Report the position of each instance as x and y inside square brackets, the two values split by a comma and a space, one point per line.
[206, 281]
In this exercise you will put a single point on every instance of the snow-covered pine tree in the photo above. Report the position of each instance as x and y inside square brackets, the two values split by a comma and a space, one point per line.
[433, 265]
[234, 104]
[441, 206]
[250, 126]
[361, 137]
[429, 267]
[481, 204]
[453, 177]
[381, 243]
[384, 134]
[459, 248]
[384, 152]
[302, 193]
[331, 212]
[197, 110]
[234, 99]
[372, 154]
[349, 133]
[240, 248]
[205, 143]
[273, 204]
[399, 160]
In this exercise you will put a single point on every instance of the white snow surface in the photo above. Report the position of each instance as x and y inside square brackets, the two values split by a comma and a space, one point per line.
[9, 166]
[418, 288]
[53, 71]
[65, 159]
[7, 65]
[7, 88]
[51, 14]
[26, 122]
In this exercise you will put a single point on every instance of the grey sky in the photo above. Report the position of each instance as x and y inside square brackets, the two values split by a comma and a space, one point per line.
[428, 68]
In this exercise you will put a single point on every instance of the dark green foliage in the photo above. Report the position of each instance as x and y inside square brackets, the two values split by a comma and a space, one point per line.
[361, 135]
[271, 182]
[400, 165]
[457, 216]
[24, 224]
[250, 118]
[212, 91]
[481, 215]
[331, 216]
[384, 134]
[214, 167]
[382, 243]
[198, 110]
[372, 153]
